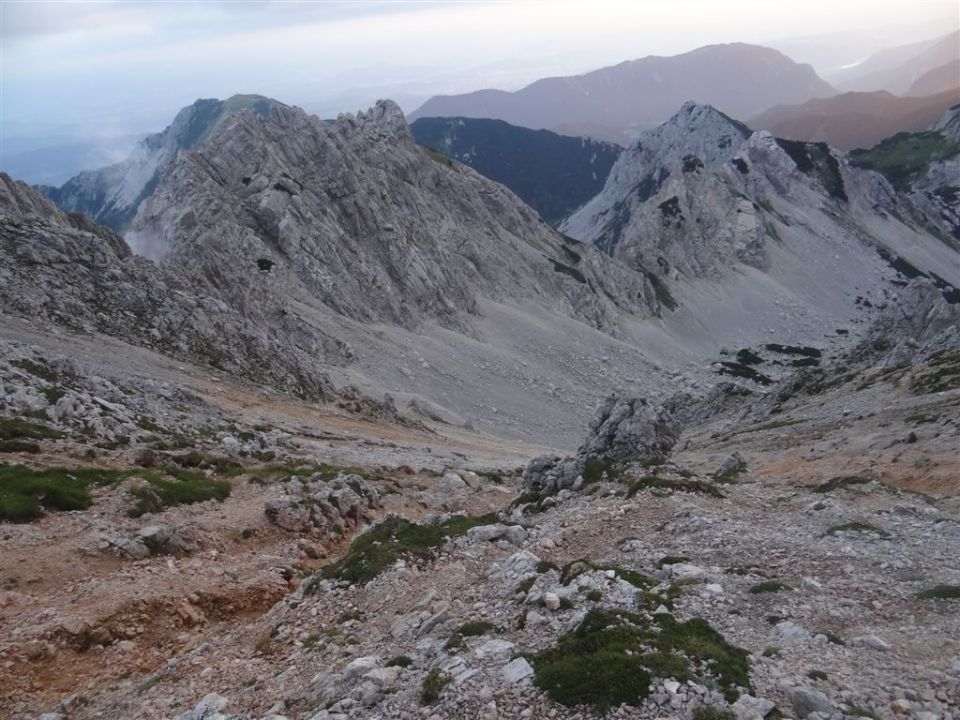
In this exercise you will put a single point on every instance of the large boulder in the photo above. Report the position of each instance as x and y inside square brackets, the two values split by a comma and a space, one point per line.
[630, 430]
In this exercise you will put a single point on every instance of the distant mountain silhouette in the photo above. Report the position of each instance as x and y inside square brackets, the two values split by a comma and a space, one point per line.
[855, 120]
[739, 79]
[897, 69]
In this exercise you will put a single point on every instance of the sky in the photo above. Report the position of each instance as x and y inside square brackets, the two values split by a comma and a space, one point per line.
[75, 68]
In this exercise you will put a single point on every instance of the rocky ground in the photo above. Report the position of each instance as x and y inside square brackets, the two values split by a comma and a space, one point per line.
[805, 528]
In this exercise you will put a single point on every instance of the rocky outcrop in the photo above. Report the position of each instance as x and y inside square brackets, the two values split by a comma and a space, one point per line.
[922, 319]
[315, 504]
[622, 431]
[69, 272]
[629, 430]
[790, 234]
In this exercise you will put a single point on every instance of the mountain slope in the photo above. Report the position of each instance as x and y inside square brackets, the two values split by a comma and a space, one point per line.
[756, 236]
[941, 79]
[738, 79]
[112, 194]
[855, 120]
[926, 166]
[307, 249]
[553, 174]
[897, 69]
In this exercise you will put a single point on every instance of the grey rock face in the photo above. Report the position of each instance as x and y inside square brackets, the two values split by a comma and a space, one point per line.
[701, 200]
[279, 230]
[112, 194]
[806, 702]
[355, 218]
[628, 430]
[732, 465]
[317, 504]
[922, 314]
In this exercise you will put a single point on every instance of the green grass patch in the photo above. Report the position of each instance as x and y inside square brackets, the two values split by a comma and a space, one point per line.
[905, 156]
[176, 486]
[671, 560]
[652, 482]
[37, 369]
[17, 429]
[943, 374]
[386, 542]
[612, 656]
[708, 712]
[597, 469]
[17, 446]
[768, 586]
[403, 661]
[25, 493]
[941, 592]
[433, 684]
[858, 711]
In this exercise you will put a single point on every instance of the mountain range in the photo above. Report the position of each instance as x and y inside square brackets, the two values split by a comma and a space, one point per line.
[617, 102]
[313, 254]
[856, 119]
[898, 70]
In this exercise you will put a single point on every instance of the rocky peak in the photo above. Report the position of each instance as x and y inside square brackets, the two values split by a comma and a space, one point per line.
[112, 194]
[696, 137]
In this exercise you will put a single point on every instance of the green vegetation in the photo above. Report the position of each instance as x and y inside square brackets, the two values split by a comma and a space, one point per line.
[905, 156]
[768, 586]
[943, 374]
[386, 542]
[37, 369]
[857, 527]
[597, 469]
[672, 560]
[689, 486]
[862, 712]
[708, 712]
[25, 493]
[610, 658]
[402, 661]
[577, 567]
[176, 487]
[14, 446]
[440, 158]
[771, 651]
[817, 675]
[594, 595]
[842, 481]
[941, 592]
[433, 684]
[17, 429]
[475, 628]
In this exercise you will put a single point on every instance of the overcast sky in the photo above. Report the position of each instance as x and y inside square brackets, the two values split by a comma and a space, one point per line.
[112, 67]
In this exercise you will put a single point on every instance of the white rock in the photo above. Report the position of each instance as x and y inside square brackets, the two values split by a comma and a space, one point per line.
[494, 649]
[383, 677]
[516, 670]
[551, 601]
[360, 667]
